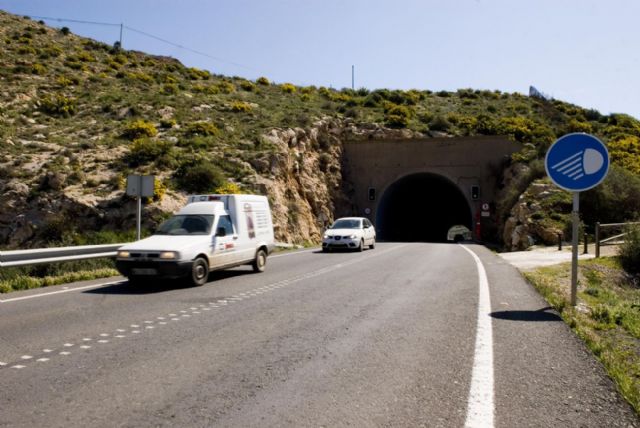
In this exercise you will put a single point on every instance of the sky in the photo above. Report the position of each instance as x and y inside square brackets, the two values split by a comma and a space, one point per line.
[585, 52]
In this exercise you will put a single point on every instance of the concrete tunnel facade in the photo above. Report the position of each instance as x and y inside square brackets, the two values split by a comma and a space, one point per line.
[416, 189]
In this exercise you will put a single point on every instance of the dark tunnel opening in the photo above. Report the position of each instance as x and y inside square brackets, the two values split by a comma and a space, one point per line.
[421, 207]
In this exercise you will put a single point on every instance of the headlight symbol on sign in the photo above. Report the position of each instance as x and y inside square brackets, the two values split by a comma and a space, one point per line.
[577, 162]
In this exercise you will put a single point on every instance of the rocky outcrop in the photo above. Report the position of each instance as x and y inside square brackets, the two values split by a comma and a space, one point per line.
[530, 222]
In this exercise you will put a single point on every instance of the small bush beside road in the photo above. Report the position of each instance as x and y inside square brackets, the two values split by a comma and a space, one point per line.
[607, 316]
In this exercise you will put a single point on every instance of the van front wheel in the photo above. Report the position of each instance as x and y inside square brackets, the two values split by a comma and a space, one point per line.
[199, 272]
[260, 261]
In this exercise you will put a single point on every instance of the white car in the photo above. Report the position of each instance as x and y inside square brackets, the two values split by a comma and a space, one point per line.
[350, 233]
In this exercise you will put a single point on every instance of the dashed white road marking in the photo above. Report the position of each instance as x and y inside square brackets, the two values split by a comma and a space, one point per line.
[65, 353]
[120, 336]
[104, 334]
[135, 331]
[18, 366]
[2, 364]
[42, 360]
[120, 330]
[87, 339]
[480, 407]
[103, 341]
[85, 346]
[68, 345]
[46, 351]
[26, 357]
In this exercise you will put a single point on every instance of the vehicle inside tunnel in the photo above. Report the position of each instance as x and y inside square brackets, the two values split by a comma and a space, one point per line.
[421, 208]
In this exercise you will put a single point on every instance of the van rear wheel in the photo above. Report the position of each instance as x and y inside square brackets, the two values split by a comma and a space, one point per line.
[199, 272]
[260, 261]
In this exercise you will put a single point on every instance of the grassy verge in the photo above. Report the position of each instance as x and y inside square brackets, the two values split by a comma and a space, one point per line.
[23, 278]
[607, 316]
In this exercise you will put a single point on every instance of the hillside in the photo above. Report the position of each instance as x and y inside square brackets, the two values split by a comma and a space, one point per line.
[78, 116]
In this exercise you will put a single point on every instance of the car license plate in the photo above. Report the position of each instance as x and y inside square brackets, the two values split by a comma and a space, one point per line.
[144, 271]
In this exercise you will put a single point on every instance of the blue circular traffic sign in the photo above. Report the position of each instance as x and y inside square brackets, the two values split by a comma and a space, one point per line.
[577, 162]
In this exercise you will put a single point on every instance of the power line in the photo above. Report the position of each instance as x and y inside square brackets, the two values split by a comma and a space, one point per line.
[77, 21]
[143, 33]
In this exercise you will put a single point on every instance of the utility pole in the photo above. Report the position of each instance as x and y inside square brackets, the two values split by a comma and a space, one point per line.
[353, 78]
[121, 25]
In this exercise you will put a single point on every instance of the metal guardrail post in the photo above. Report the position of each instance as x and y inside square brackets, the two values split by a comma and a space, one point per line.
[597, 239]
[559, 241]
[586, 243]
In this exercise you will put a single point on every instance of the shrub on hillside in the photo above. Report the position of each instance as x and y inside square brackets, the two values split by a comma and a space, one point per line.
[58, 105]
[248, 86]
[139, 129]
[626, 153]
[439, 123]
[197, 74]
[202, 129]
[199, 176]
[397, 116]
[226, 87]
[263, 81]
[629, 251]
[145, 150]
[228, 188]
[288, 88]
[241, 107]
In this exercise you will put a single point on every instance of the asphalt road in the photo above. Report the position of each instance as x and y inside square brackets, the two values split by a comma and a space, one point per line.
[387, 337]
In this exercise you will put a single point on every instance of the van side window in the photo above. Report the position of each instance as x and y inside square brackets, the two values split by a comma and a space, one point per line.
[225, 222]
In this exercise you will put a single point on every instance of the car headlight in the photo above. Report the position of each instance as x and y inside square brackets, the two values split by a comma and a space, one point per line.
[353, 236]
[123, 254]
[168, 255]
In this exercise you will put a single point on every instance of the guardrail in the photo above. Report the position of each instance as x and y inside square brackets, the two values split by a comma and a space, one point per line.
[67, 254]
[59, 254]
[610, 240]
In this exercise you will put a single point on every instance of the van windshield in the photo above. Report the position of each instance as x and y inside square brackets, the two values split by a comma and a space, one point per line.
[186, 225]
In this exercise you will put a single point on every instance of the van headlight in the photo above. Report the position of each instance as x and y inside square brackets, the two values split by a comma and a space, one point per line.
[168, 255]
[123, 254]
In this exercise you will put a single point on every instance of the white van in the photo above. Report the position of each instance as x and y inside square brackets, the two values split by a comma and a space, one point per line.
[211, 232]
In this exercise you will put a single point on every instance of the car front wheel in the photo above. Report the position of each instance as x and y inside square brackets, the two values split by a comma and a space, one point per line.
[199, 272]
[373, 243]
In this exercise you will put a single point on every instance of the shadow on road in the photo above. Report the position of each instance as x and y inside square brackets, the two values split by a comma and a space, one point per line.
[155, 285]
[539, 315]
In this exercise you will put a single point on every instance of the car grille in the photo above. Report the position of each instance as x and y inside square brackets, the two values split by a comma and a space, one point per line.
[144, 255]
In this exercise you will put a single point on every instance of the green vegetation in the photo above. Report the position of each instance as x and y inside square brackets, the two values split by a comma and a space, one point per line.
[607, 317]
[629, 252]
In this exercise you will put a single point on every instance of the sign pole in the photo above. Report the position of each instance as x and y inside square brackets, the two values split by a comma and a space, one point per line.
[139, 216]
[574, 255]
[576, 162]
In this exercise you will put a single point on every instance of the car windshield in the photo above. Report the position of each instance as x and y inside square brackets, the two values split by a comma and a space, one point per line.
[186, 225]
[346, 224]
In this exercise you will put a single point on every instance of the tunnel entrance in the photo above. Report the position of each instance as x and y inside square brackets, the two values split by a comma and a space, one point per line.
[421, 207]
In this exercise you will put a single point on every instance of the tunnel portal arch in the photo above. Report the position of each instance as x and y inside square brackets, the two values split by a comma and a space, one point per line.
[421, 207]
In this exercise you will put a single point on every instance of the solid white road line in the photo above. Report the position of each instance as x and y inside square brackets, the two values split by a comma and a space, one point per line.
[480, 407]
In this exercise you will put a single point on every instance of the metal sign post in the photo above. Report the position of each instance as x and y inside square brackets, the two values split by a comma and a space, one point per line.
[140, 186]
[576, 162]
